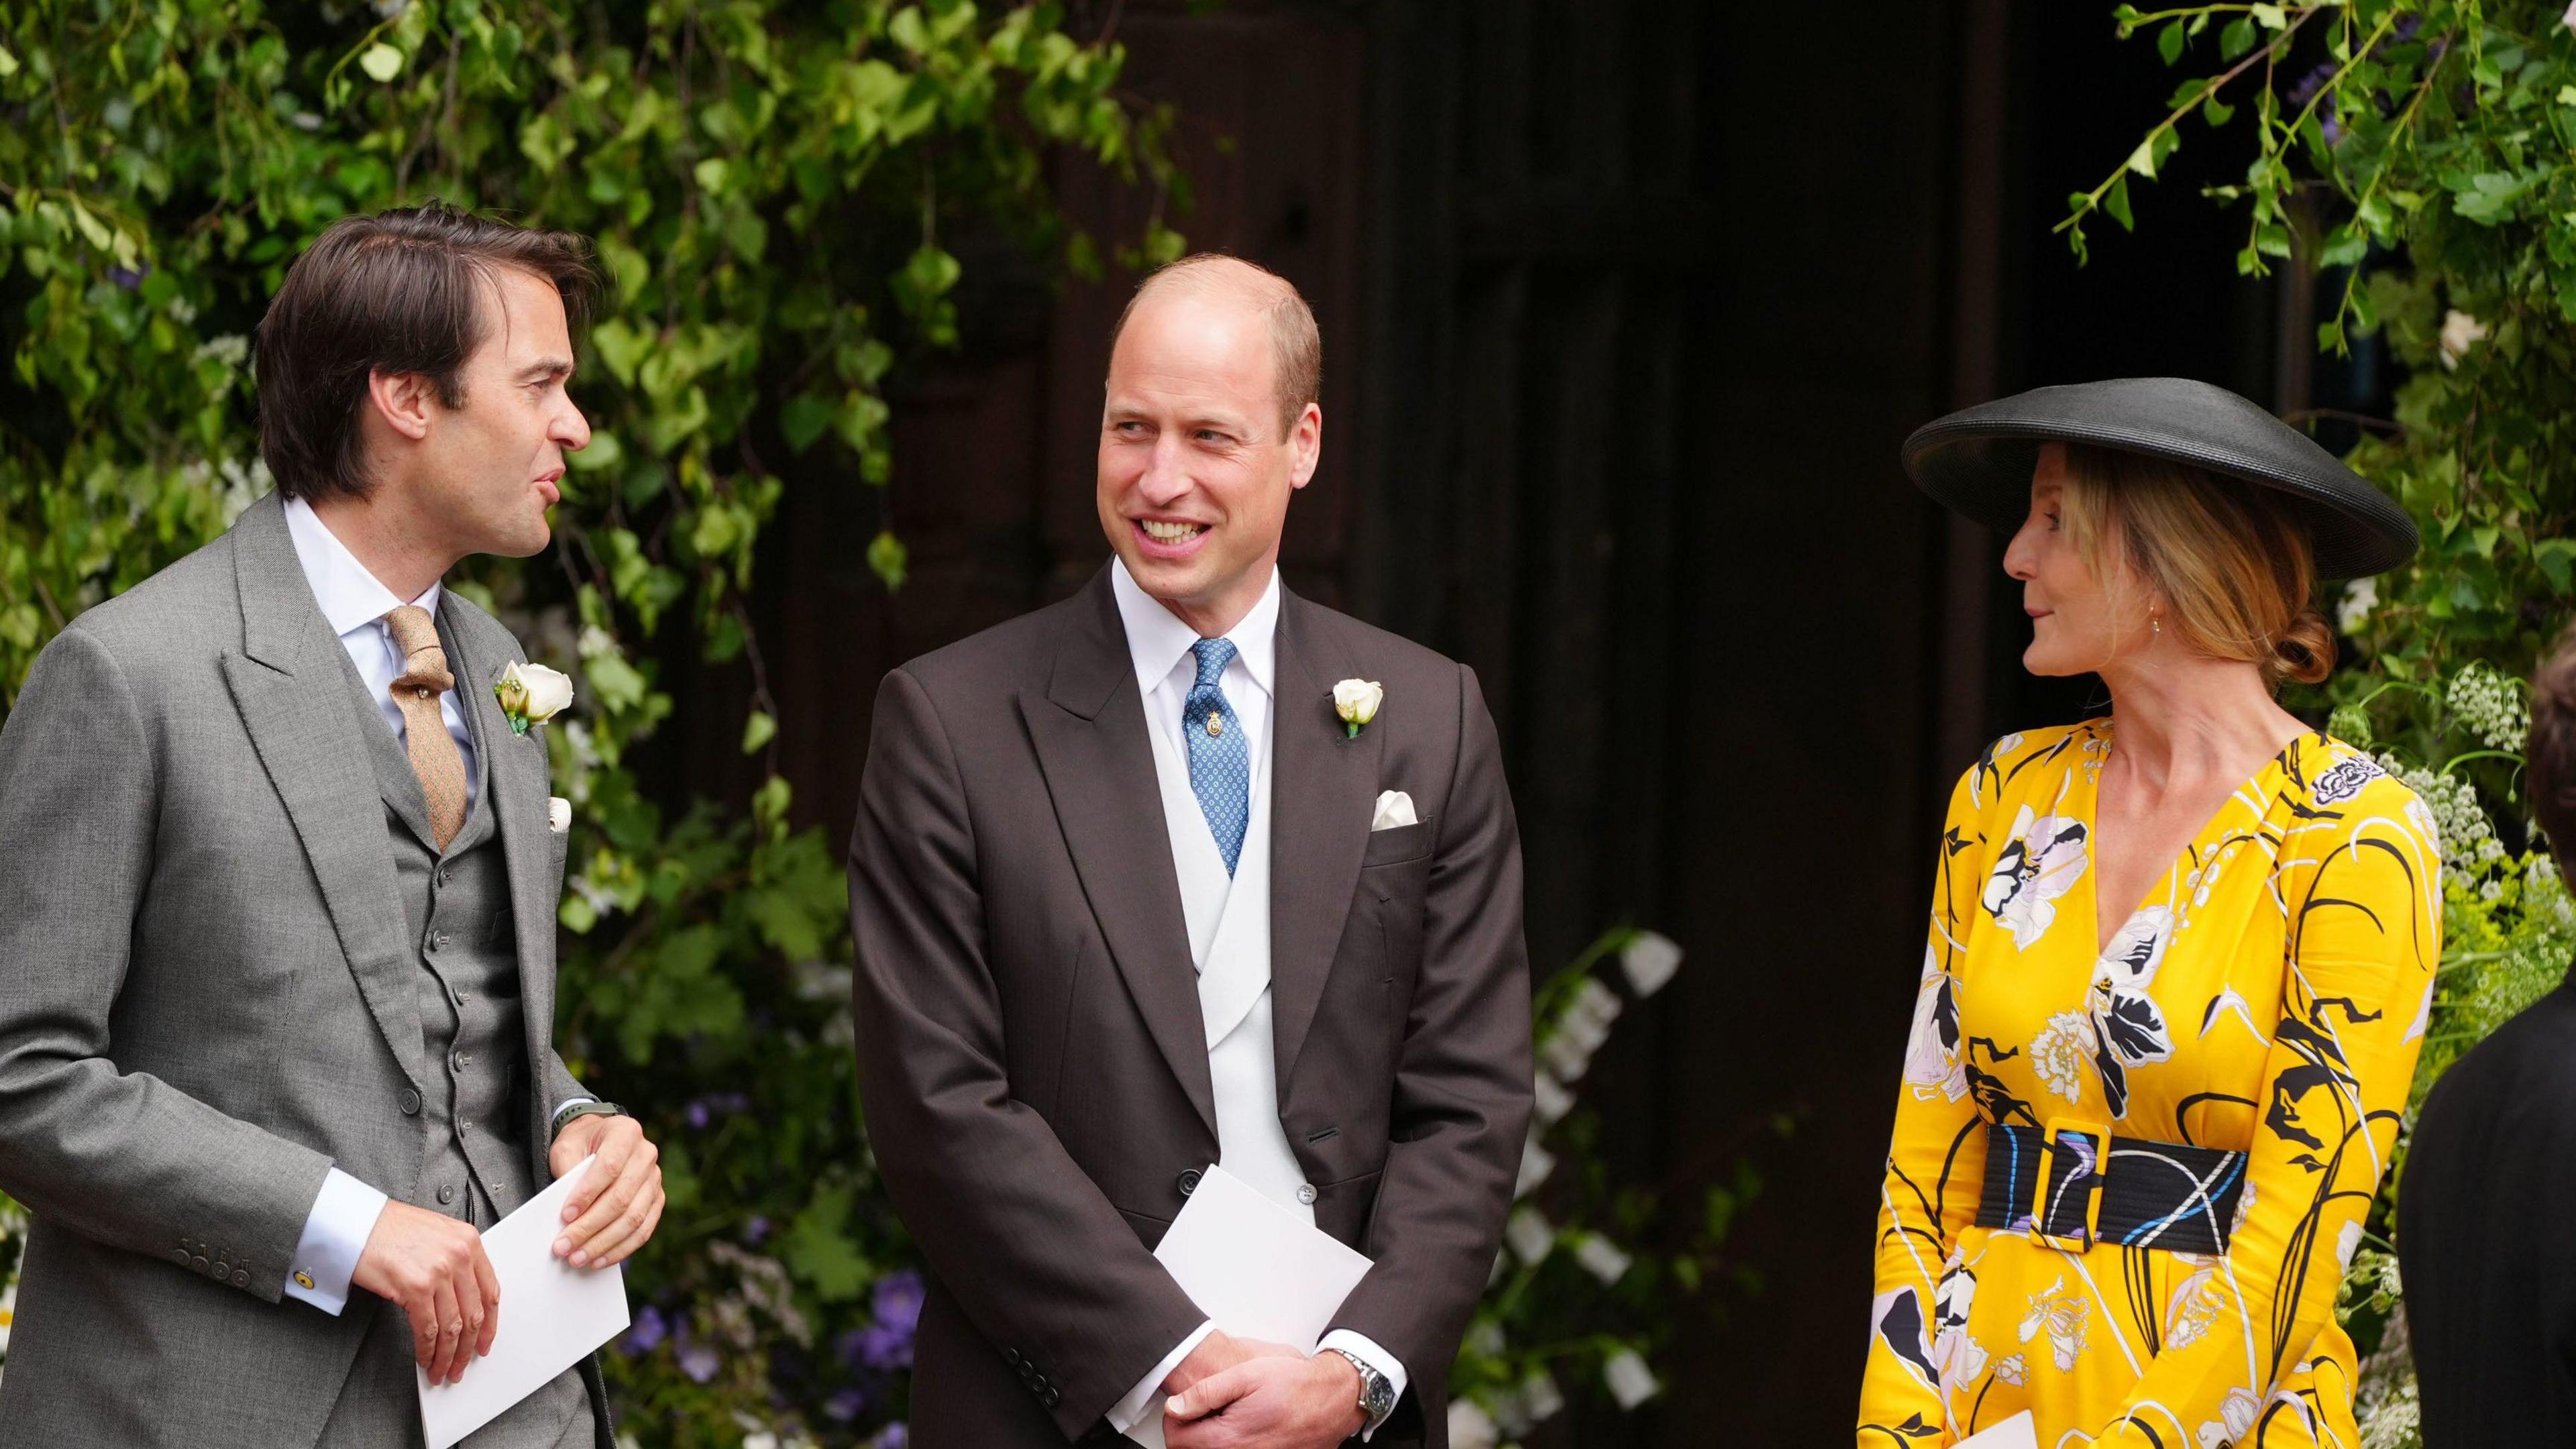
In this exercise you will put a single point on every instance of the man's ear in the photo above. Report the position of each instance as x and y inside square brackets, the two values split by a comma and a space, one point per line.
[1305, 445]
[402, 400]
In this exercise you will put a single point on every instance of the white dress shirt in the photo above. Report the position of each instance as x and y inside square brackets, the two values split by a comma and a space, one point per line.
[355, 603]
[1243, 1064]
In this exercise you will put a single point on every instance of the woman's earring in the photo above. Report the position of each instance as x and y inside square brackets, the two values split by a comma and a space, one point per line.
[2156, 623]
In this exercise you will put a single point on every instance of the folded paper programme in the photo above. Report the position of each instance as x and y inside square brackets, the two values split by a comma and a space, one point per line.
[552, 1316]
[1254, 1268]
[2013, 1433]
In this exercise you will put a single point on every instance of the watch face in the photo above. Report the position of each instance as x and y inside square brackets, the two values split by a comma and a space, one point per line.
[1380, 1401]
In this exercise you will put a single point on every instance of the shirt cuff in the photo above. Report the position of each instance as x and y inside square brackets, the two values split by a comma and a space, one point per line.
[335, 1235]
[1365, 1349]
[1129, 1411]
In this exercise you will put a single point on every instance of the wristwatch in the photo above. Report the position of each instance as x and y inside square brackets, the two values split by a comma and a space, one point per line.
[1377, 1395]
[565, 1114]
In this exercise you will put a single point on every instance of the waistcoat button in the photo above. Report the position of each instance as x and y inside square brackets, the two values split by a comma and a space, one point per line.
[1189, 1182]
[410, 1102]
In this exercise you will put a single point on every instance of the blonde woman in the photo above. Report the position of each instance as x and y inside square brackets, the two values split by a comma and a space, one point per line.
[2179, 961]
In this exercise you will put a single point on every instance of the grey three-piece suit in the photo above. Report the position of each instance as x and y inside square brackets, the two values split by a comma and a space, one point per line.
[231, 959]
[1032, 1053]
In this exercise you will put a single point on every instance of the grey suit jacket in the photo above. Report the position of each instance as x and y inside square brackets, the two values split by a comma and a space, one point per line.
[1032, 1057]
[206, 996]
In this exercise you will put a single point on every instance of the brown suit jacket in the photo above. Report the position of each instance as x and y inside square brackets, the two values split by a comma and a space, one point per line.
[1030, 1047]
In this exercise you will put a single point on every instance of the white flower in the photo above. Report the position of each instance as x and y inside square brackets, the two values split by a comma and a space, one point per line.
[532, 693]
[1650, 961]
[1553, 1100]
[1357, 700]
[2460, 332]
[2236, 1416]
[1541, 1399]
[1932, 1061]
[1470, 1427]
[2012, 1370]
[2060, 1051]
[2062, 1314]
[1602, 1258]
[2569, 19]
[2042, 860]
[2359, 598]
[1530, 1235]
[1630, 1381]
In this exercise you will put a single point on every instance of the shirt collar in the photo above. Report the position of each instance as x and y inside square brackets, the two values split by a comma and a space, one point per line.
[1157, 639]
[349, 595]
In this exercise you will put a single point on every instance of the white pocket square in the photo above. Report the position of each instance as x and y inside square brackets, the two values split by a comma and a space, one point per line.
[558, 814]
[1394, 808]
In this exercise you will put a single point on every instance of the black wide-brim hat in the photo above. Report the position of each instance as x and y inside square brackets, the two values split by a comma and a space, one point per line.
[1979, 460]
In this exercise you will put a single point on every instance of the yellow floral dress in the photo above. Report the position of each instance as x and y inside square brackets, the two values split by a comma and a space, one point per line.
[2268, 997]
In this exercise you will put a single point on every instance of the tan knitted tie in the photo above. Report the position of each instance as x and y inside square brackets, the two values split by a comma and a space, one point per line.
[434, 757]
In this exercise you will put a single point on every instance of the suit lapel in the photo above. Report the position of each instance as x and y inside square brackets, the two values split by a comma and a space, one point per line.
[292, 691]
[515, 785]
[1323, 789]
[1089, 733]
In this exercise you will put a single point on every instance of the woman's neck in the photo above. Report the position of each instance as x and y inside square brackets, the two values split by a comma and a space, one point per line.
[2178, 716]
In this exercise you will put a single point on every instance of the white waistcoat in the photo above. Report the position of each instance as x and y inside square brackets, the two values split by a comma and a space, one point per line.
[1229, 925]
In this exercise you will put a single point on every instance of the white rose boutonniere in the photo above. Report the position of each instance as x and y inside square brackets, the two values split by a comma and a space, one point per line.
[531, 694]
[1357, 701]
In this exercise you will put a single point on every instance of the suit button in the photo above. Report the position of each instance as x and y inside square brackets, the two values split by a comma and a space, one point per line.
[1048, 1398]
[223, 1271]
[1189, 1182]
[1306, 1193]
[439, 875]
[1012, 1355]
[410, 1102]
[241, 1279]
[179, 1256]
[197, 1263]
[446, 1195]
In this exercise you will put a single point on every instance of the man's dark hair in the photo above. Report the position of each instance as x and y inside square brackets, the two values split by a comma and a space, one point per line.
[399, 291]
[2551, 750]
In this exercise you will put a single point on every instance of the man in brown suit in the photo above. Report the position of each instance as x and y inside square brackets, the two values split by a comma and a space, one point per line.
[1098, 948]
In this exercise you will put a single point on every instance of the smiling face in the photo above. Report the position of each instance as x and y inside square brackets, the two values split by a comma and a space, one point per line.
[1195, 467]
[488, 468]
[2079, 622]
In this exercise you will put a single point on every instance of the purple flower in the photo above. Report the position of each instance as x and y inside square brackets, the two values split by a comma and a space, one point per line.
[127, 277]
[755, 1231]
[649, 1330]
[898, 1299]
[698, 1361]
[844, 1406]
[2304, 89]
[696, 1112]
[893, 1436]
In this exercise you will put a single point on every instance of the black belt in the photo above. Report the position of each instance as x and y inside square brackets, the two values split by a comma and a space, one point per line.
[2137, 1194]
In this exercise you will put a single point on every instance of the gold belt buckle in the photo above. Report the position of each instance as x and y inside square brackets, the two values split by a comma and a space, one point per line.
[2040, 1204]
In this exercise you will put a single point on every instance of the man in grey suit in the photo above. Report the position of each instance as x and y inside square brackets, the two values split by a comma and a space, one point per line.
[278, 877]
[1132, 895]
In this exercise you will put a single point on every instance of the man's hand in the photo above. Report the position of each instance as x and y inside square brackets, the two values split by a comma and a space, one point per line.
[1218, 1352]
[432, 1267]
[620, 1203]
[1269, 1403]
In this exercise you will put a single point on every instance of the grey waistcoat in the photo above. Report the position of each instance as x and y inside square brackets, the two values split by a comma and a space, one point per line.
[474, 1163]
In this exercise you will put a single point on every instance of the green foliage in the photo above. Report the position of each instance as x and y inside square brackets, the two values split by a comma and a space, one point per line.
[1579, 1306]
[2427, 150]
[776, 190]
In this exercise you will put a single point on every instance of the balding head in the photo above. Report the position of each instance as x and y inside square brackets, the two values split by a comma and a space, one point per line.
[1296, 344]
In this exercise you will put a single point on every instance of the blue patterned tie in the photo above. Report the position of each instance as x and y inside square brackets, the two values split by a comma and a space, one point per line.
[1220, 763]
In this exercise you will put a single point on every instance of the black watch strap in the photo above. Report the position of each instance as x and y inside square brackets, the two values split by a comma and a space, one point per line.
[564, 1115]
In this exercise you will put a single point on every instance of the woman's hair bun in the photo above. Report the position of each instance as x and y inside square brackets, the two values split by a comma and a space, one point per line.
[2306, 650]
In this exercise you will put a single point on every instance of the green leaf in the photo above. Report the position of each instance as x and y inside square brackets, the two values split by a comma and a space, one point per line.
[2169, 43]
[2116, 202]
[758, 731]
[381, 61]
[817, 1250]
[802, 419]
[2270, 17]
[2236, 39]
[888, 557]
[2557, 559]
[8, 63]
